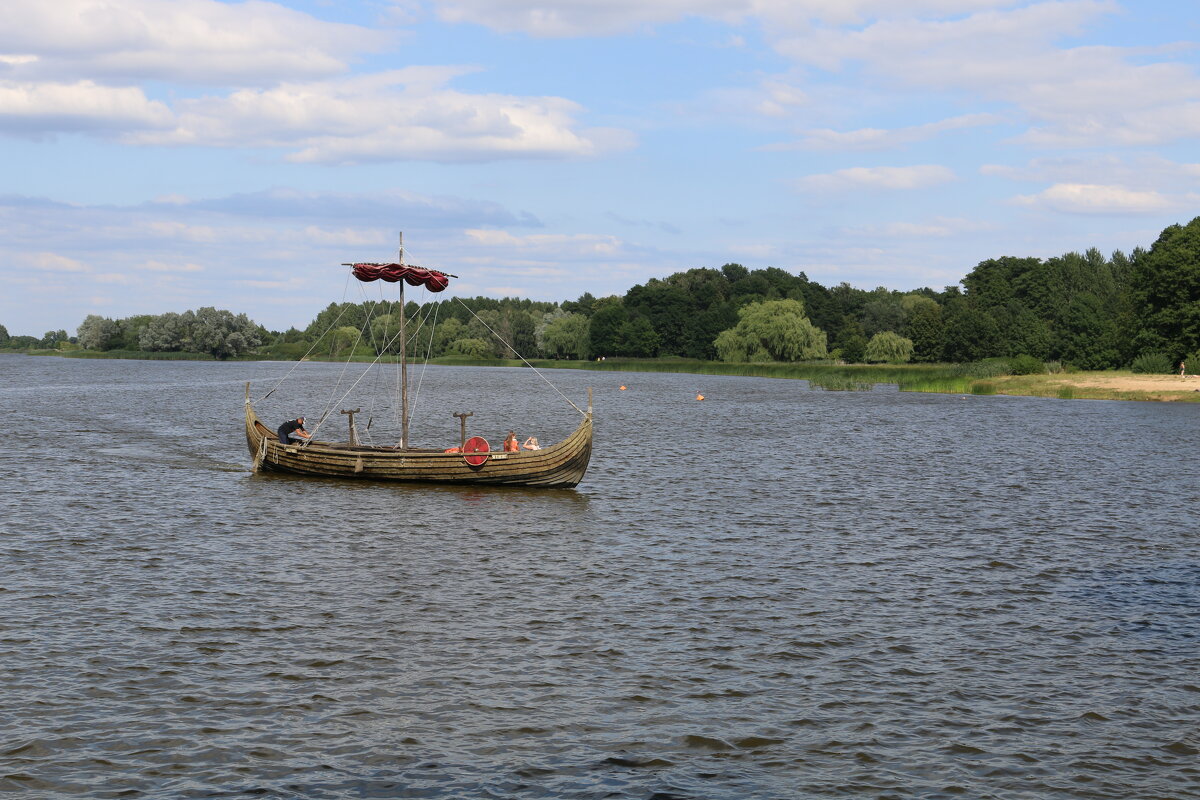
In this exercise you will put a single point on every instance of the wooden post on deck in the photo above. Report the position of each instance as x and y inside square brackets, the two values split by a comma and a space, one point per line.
[353, 430]
[462, 418]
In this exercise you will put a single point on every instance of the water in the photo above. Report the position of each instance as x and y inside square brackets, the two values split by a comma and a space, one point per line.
[774, 593]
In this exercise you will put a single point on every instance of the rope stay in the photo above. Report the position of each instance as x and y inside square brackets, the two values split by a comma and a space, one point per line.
[518, 355]
[317, 341]
[388, 343]
[371, 307]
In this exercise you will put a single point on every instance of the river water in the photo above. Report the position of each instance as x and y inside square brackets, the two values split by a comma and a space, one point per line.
[778, 592]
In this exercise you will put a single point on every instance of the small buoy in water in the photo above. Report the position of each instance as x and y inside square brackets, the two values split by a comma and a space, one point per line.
[699, 396]
[622, 388]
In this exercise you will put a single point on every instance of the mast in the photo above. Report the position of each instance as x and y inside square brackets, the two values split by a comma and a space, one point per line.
[403, 361]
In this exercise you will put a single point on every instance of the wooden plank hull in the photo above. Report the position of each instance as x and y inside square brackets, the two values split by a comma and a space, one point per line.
[560, 465]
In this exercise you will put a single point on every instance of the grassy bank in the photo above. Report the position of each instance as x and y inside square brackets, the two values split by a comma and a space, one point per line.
[984, 378]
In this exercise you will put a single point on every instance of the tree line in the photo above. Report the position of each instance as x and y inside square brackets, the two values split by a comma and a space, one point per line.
[1084, 310]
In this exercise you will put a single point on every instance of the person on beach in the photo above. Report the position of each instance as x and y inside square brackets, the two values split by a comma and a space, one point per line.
[510, 443]
[295, 426]
[1183, 369]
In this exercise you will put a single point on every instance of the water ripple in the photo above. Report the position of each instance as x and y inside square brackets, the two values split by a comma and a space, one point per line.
[875, 594]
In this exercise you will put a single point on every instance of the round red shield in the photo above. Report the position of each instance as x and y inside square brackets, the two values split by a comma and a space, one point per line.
[475, 445]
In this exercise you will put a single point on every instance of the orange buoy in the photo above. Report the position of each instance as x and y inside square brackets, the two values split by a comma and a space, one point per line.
[699, 396]
[622, 388]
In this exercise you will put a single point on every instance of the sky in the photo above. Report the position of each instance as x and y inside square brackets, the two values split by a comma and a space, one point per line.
[164, 155]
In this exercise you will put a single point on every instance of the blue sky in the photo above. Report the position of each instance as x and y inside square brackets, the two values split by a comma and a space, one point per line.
[161, 155]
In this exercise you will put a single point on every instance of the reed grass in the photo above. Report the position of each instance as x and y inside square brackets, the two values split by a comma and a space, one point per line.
[145, 355]
[835, 383]
[938, 385]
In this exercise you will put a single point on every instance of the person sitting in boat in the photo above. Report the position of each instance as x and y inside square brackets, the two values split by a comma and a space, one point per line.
[510, 443]
[295, 426]
[531, 444]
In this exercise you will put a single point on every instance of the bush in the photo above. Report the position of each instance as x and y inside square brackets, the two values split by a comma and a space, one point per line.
[1025, 365]
[987, 368]
[1152, 364]
[889, 346]
[1193, 363]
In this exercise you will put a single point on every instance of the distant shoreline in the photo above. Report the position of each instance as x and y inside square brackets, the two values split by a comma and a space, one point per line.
[931, 378]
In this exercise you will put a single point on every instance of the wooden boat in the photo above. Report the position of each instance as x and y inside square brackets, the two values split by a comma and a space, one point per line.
[560, 465]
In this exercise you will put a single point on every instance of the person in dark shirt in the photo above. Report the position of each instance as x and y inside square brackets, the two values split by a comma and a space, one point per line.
[295, 426]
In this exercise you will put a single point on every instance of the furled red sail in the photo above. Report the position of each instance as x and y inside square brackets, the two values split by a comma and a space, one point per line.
[431, 279]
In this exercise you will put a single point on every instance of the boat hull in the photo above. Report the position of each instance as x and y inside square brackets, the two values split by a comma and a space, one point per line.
[561, 465]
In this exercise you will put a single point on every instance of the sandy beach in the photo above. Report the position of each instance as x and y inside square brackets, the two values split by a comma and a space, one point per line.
[1101, 385]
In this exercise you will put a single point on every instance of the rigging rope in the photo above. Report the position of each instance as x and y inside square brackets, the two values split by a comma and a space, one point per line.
[383, 351]
[370, 306]
[279, 382]
[518, 355]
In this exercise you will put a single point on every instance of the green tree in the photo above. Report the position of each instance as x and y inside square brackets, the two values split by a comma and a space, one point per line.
[667, 309]
[131, 331]
[220, 333]
[889, 346]
[4, 337]
[523, 327]
[585, 305]
[969, 334]
[383, 334]
[98, 333]
[923, 328]
[564, 335]
[1029, 334]
[206, 330]
[850, 344]
[638, 338]
[884, 312]
[1165, 292]
[604, 332]
[166, 332]
[473, 347]
[447, 331]
[343, 340]
[775, 330]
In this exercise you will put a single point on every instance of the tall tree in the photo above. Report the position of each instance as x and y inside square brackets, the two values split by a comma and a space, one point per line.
[1165, 290]
[605, 328]
[889, 346]
[776, 330]
[564, 336]
[98, 333]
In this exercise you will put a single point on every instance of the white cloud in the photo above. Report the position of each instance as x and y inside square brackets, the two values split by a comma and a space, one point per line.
[52, 262]
[78, 106]
[1143, 172]
[575, 244]
[118, 278]
[350, 237]
[162, 266]
[938, 228]
[1081, 198]
[582, 17]
[915, 177]
[953, 50]
[879, 138]
[401, 114]
[1082, 96]
[73, 64]
[609, 17]
[200, 41]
